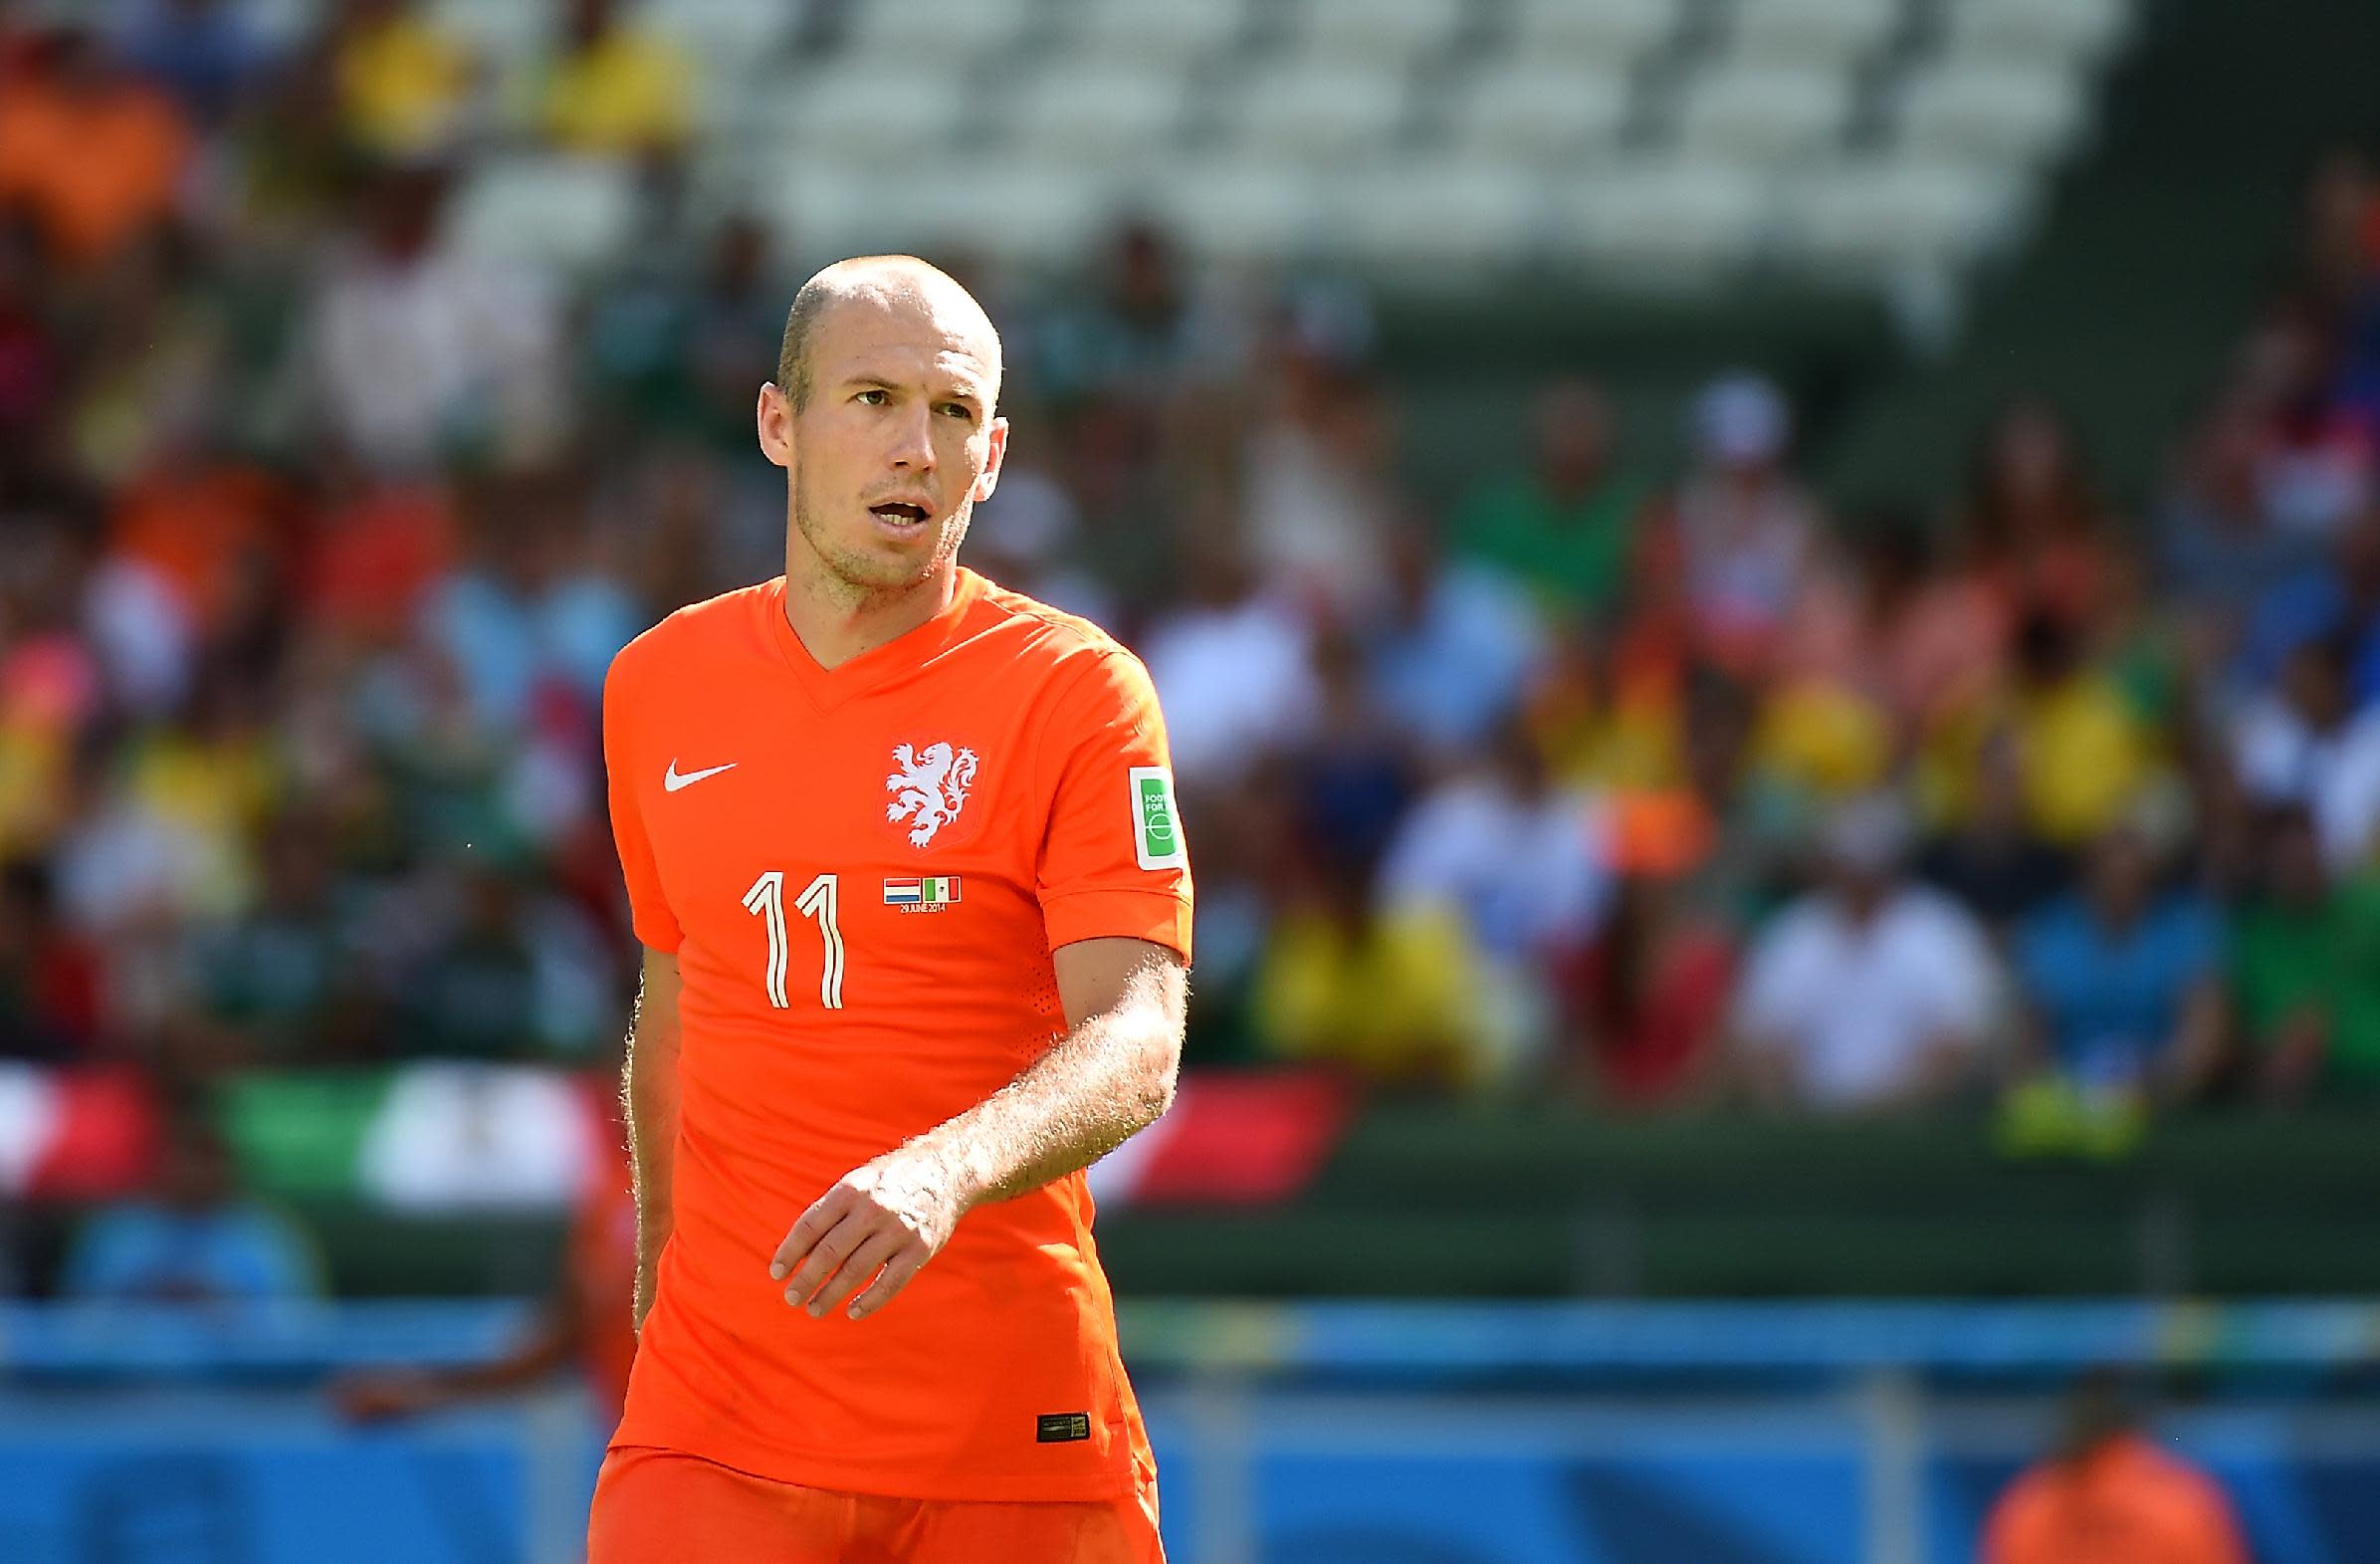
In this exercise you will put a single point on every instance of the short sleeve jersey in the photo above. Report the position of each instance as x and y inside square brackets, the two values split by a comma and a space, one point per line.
[863, 872]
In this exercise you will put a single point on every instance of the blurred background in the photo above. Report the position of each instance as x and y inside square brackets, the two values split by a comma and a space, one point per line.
[1769, 612]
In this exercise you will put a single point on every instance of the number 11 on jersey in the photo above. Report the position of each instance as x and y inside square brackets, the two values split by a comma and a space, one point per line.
[766, 899]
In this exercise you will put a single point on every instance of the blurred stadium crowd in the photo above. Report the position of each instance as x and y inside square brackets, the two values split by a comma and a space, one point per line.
[317, 531]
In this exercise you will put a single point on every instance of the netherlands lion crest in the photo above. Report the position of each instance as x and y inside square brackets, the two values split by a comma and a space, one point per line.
[929, 790]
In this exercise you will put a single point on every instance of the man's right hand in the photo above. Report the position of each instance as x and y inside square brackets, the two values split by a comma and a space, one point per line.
[378, 1395]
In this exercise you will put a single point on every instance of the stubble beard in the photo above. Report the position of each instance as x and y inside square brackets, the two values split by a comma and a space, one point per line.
[852, 578]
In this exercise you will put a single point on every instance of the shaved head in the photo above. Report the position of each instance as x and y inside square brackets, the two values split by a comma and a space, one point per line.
[883, 416]
[887, 281]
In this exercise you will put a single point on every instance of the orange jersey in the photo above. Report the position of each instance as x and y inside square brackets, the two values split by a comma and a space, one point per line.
[863, 872]
[2127, 1504]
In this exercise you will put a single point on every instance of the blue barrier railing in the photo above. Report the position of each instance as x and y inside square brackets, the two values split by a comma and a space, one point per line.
[1320, 1337]
[1326, 1433]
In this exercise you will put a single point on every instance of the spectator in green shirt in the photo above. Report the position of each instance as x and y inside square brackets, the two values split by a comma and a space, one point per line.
[1565, 524]
[2306, 970]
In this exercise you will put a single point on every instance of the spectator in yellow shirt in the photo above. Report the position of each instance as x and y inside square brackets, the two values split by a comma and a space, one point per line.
[2083, 756]
[405, 85]
[615, 92]
[1396, 996]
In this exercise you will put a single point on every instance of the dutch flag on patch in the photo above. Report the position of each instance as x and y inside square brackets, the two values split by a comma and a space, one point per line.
[935, 890]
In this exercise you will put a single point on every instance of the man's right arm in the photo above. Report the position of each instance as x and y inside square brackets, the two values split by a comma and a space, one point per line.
[649, 1089]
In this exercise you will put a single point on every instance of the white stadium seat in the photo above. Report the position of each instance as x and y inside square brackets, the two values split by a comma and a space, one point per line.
[1757, 112]
[1393, 31]
[1236, 210]
[507, 33]
[825, 206]
[1165, 32]
[1540, 110]
[1440, 212]
[281, 23]
[1828, 33]
[566, 212]
[872, 112]
[951, 34]
[1612, 33]
[1299, 110]
[999, 208]
[1980, 109]
[1876, 216]
[1071, 104]
[2083, 32]
[723, 34]
[1668, 217]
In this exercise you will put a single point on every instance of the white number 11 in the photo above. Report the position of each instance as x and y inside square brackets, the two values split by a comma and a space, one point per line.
[766, 899]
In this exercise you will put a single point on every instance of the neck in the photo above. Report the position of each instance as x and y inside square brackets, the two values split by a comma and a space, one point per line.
[838, 621]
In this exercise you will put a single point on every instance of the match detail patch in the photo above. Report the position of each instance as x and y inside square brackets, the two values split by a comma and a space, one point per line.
[928, 893]
[1061, 1428]
[1157, 825]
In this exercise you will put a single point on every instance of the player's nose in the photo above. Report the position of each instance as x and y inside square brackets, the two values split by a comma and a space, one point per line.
[913, 442]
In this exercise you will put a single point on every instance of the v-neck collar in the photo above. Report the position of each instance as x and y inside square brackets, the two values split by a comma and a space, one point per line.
[828, 688]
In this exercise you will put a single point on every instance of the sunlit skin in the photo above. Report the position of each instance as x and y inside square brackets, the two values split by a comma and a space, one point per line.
[904, 374]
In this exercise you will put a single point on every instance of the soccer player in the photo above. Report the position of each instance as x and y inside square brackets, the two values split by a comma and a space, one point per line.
[2110, 1495]
[903, 851]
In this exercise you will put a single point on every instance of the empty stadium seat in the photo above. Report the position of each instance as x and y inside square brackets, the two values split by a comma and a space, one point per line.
[1439, 212]
[1165, 32]
[1072, 103]
[1667, 217]
[1612, 33]
[1236, 210]
[1755, 112]
[949, 34]
[1274, 129]
[1828, 33]
[2082, 32]
[1304, 110]
[873, 111]
[1879, 215]
[1537, 109]
[1987, 109]
[997, 208]
[556, 211]
[1395, 32]
[723, 34]
[281, 23]
[507, 33]
[822, 206]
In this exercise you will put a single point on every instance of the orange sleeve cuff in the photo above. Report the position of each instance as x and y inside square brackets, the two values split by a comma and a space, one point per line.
[661, 934]
[1159, 917]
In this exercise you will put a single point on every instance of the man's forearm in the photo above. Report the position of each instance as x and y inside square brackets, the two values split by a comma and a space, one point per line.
[649, 1091]
[858, 1244]
[1098, 1086]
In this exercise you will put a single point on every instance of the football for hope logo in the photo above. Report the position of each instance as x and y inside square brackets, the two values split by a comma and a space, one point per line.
[1157, 824]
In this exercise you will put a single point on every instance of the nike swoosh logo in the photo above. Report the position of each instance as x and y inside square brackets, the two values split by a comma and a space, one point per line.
[673, 781]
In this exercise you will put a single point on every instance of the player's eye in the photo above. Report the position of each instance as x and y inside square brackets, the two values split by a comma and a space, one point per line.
[957, 411]
[873, 396]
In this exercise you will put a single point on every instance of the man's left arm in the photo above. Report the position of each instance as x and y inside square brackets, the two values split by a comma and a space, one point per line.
[1107, 1079]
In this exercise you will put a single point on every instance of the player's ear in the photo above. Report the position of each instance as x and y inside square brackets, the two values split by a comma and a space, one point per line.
[774, 417]
[992, 466]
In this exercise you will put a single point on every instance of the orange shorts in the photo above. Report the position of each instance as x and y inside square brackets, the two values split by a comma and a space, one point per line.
[660, 1506]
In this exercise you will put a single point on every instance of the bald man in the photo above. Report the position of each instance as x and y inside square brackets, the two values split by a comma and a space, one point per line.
[902, 849]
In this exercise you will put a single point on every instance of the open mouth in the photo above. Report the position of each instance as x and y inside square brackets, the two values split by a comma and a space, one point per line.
[899, 512]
